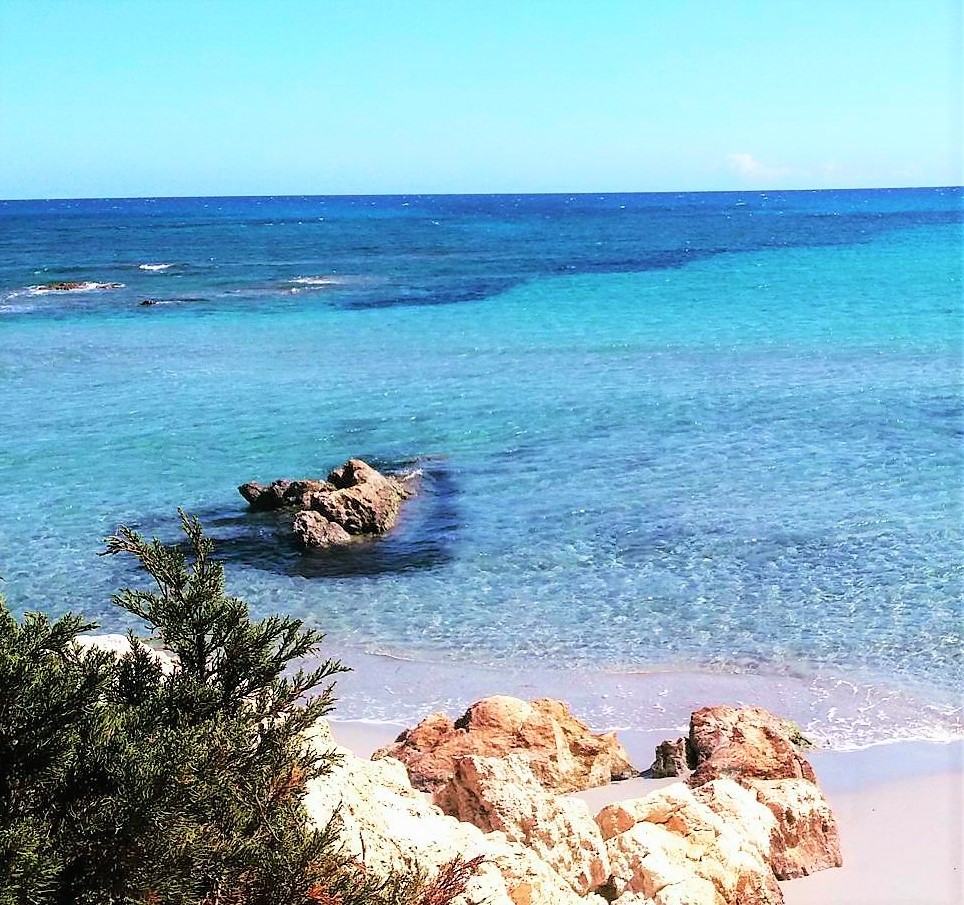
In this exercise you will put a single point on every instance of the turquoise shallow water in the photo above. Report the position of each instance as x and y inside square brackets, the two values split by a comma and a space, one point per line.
[649, 440]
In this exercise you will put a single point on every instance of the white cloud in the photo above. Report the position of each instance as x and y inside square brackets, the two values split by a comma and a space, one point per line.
[747, 166]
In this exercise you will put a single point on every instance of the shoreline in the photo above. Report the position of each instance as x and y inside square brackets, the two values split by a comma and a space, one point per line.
[838, 712]
[899, 807]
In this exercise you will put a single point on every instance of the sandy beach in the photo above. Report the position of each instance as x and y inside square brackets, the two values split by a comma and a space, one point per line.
[900, 809]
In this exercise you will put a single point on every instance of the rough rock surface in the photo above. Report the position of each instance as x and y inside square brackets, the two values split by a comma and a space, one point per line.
[282, 494]
[739, 808]
[563, 754]
[804, 838]
[670, 760]
[382, 821]
[671, 849]
[356, 501]
[314, 530]
[502, 794]
[364, 501]
[743, 743]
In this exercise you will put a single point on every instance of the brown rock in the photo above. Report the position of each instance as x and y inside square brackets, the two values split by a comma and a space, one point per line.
[356, 499]
[282, 494]
[364, 501]
[299, 494]
[805, 838]
[562, 753]
[670, 760]
[743, 743]
[503, 794]
[313, 530]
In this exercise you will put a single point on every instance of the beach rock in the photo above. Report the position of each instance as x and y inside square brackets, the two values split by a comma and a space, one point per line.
[743, 742]
[562, 753]
[502, 794]
[804, 838]
[740, 808]
[120, 646]
[670, 760]
[385, 824]
[671, 849]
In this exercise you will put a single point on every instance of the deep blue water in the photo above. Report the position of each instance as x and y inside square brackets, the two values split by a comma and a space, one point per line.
[698, 431]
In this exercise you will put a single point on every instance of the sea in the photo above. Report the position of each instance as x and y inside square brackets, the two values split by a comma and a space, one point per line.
[672, 447]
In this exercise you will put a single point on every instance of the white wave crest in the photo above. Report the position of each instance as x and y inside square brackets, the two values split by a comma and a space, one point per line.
[313, 281]
[154, 268]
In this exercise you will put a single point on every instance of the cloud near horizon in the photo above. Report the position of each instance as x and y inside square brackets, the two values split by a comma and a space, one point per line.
[747, 167]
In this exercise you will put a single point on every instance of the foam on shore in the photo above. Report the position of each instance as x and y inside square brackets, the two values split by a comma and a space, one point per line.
[836, 712]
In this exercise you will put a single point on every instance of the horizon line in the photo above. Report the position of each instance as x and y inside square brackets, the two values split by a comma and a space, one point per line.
[752, 191]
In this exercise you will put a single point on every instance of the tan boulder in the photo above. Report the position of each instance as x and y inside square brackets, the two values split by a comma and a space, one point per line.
[563, 754]
[671, 849]
[384, 823]
[804, 838]
[355, 501]
[364, 502]
[502, 794]
[314, 530]
[740, 808]
[744, 742]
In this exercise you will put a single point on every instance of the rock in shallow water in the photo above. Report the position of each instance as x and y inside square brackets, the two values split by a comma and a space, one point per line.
[356, 502]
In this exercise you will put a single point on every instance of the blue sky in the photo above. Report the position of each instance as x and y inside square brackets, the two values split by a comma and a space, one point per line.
[201, 97]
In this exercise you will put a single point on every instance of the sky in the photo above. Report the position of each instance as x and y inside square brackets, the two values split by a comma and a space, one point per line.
[115, 98]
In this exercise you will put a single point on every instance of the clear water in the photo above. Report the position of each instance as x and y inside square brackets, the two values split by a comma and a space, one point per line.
[657, 432]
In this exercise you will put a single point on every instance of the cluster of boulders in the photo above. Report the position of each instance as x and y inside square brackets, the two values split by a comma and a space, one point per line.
[355, 502]
[492, 786]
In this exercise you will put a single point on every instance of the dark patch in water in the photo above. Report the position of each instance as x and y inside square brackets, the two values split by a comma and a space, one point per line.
[428, 296]
[423, 538]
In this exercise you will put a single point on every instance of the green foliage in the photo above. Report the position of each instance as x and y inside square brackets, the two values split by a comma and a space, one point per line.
[125, 782]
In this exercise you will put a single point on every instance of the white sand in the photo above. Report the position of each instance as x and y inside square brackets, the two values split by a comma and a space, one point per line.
[900, 809]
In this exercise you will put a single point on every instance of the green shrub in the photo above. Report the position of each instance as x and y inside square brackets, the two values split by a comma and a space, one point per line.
[121, 782]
